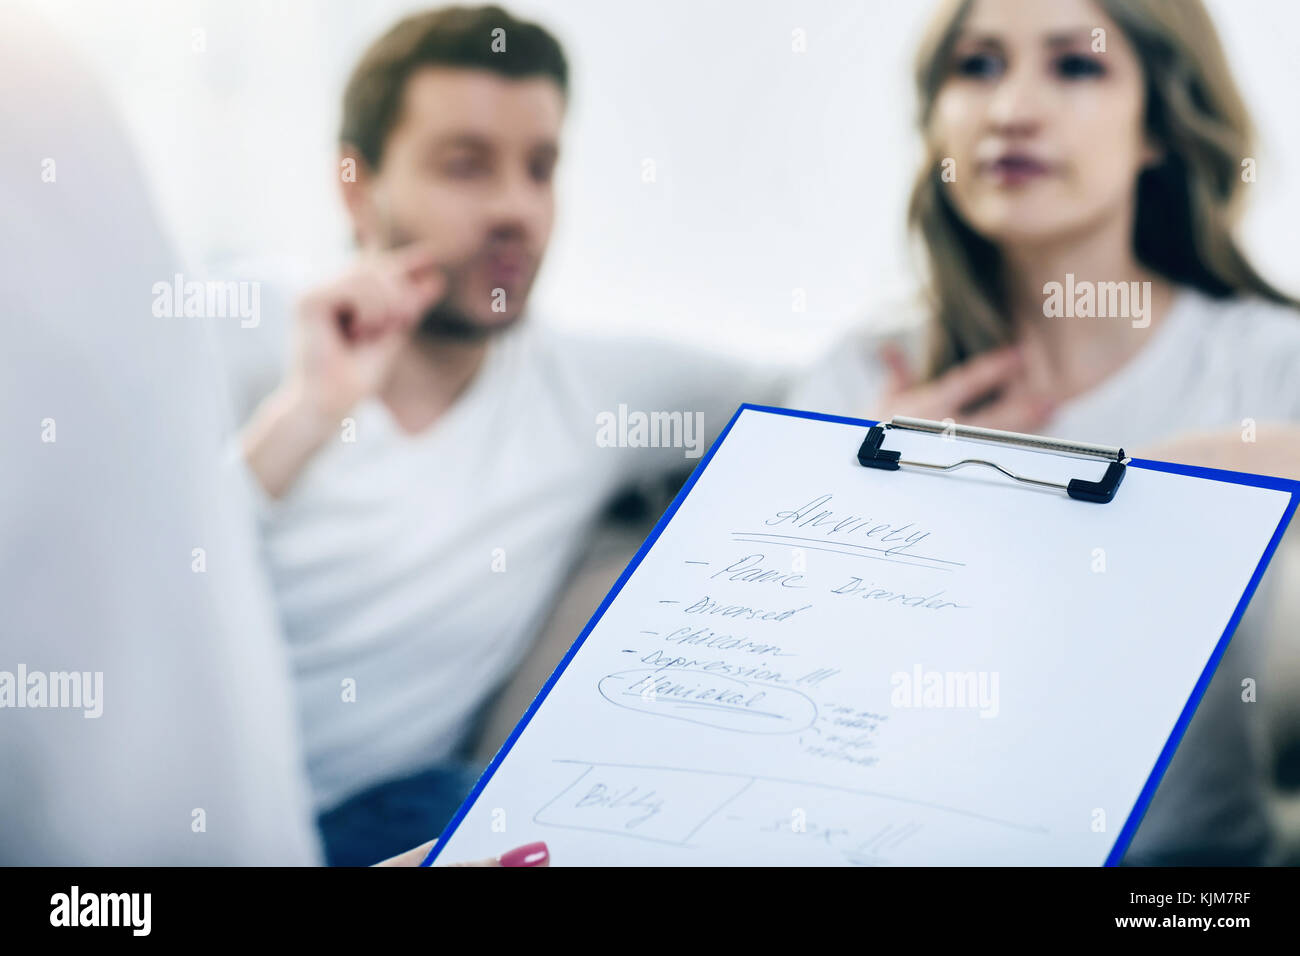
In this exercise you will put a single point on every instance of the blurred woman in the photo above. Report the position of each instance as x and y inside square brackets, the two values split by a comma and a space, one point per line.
[129, 552]
[1083, 166]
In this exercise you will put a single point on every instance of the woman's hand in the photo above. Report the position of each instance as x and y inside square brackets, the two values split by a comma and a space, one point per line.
[531, 854]
[1270, 449]
[989, 391]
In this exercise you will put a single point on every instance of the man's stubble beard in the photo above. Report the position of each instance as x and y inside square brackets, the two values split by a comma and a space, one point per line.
[446, 321]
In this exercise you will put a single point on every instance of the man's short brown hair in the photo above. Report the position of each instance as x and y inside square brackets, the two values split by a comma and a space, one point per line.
[448, 36]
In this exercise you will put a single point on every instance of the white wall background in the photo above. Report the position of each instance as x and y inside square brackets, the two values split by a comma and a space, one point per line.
[776, 170]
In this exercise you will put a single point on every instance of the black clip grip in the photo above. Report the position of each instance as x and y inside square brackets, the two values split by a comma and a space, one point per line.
[1098, 491]
[871, 455]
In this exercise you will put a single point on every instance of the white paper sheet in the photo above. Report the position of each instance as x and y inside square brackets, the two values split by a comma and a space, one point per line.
[818, 663]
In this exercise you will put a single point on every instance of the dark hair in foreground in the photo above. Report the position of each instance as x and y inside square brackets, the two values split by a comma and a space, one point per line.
[481, 38]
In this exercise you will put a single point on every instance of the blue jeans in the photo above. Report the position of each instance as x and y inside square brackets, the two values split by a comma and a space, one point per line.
[395, 815]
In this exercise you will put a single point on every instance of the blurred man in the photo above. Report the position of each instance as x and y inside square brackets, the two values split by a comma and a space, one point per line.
[431, 461]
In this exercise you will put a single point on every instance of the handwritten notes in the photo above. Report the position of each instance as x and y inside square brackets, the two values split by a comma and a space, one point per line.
[816, 663]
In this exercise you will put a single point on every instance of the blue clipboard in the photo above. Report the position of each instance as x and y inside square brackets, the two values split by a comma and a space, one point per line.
[1291, 487]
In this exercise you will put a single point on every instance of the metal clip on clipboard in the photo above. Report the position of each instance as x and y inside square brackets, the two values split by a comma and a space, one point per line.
[871, 455]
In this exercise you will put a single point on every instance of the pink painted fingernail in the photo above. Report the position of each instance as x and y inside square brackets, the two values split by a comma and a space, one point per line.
[530, 854]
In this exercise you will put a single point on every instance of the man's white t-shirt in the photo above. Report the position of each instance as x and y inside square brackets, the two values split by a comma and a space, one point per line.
[1209, 364]
[412, 572]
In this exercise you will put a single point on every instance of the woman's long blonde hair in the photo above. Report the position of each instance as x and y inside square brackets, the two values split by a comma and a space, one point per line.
[1187, 206]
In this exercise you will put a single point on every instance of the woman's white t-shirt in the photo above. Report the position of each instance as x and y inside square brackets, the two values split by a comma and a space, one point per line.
[1211, 363]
